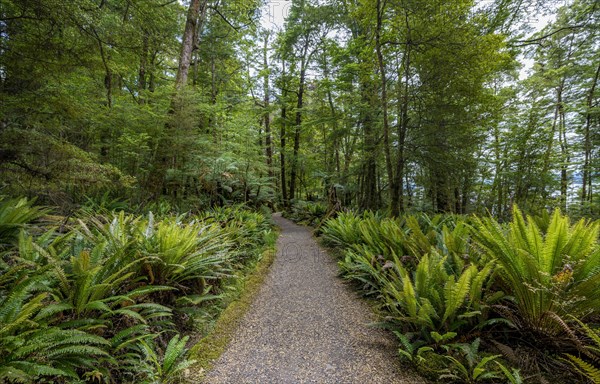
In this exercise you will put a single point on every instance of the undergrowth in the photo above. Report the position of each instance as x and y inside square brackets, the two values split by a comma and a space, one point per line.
[110, 297]
[466, 296]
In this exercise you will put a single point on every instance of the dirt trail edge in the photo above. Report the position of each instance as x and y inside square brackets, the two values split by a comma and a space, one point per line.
[306, 326]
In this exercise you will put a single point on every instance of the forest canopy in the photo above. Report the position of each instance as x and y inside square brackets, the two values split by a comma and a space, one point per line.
[441, 106]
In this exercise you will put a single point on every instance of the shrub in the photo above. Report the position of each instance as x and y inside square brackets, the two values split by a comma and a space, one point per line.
[14, 215]
[434, 299]
[103, 301]
[549, 273]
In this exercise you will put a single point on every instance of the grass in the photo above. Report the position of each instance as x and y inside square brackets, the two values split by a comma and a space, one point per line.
[212, 346]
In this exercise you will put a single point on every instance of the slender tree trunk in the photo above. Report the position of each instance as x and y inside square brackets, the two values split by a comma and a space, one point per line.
[188, 44]
[282, 141]
[143, 64]
[562, 133]
[497, 184]
[404, 119]
[266, 104]
[213, 98]
[152, 77]
[368, 188]
[586, 190]
[335, 142]
[298, 127]
[394, 188]
[166, 153]
[108, 86]
[550, 145]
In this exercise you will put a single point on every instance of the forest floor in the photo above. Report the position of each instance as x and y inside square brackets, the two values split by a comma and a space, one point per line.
[307, 326]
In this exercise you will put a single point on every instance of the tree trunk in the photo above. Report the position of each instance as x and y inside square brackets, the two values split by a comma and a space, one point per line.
[188, 44]
[166, 154]
[143, 64]
[564, 182]
[298, 127]
[404, 119]
[586, 189]
[282, 141]
[368, 198]
[267, 112]
[394, 188]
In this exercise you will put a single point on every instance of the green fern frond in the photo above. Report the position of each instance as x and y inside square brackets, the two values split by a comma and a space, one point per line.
[35, 370]
[585, 368]
[9, 374]
[456, 293]
[558, 267]
[76, 349]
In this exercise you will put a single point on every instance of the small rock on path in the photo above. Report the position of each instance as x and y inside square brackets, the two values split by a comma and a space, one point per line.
[306, 326]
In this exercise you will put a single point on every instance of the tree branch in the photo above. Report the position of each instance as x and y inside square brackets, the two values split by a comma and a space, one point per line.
[521, 43]
[224, 18]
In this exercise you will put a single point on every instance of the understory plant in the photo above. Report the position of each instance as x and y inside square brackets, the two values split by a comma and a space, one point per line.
[106, 299]
[588, 361]
[435, 299]
[549, 274]
[444, 282]
[468, 366]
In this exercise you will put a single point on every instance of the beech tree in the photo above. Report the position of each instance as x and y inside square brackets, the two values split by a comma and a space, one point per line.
[397, 106]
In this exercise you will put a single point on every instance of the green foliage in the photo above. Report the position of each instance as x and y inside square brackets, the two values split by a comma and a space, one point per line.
[307, 213]
[169, 367]
[420, 276]
[343, 230]
[433, 299]
[466, 366]
[588, 363]
[14, 215]
[513, 376]
[549, 274]
[177, 253]
[415, 352]
[98, 302]
[31, 348]
[446, 278]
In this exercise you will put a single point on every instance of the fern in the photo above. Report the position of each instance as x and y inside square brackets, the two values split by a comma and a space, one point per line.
[432, 299]
[466, 366]
[14, 215]
[590, 368]
[583, 367]
[550, 273]
[174, 359]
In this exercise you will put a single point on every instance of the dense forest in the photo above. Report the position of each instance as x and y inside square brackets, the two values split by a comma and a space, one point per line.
[445, 106]
[144, 144]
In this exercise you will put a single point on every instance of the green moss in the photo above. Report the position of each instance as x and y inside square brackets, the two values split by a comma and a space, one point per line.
[209, 348]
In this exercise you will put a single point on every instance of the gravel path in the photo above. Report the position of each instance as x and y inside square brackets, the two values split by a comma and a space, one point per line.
[306, 326]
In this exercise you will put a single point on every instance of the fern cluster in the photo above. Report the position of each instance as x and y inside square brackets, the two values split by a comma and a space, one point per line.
[307, 213]
[105, 301]
[445, 278]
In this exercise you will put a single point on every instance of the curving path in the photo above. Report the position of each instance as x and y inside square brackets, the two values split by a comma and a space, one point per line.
[306, 326]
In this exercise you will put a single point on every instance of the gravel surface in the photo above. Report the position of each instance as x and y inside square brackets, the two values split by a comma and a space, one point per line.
[306, 326]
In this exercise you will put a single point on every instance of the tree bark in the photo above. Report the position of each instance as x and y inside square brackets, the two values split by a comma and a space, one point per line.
[166, 153]
[586, 190]
[188, 44]
[404, 119]
[368, 187]
[143, 64]
[394, 188]
[298, 123]
[562, 138]
[282, 134]
[266, 104]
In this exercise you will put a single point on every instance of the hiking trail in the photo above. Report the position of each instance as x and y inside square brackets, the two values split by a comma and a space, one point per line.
[307, 326]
